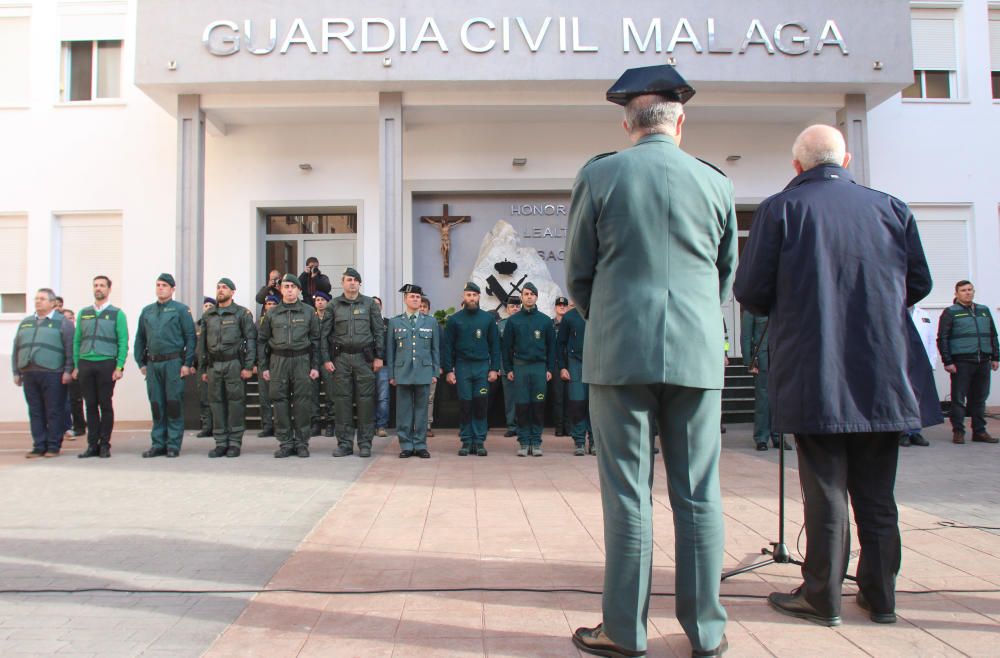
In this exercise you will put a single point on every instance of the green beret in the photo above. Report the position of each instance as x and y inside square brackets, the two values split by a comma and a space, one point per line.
[226, 281]
[351, 272]
[530, 286]
[291, 278]
[471, 287]
[167, 279]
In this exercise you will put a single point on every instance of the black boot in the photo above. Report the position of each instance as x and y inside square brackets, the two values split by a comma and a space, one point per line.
[284, 451]
[202, 434]
[105, 451]
[154, 452]
[217, 451]
[233, 451]
[89, 452]
[343, 450]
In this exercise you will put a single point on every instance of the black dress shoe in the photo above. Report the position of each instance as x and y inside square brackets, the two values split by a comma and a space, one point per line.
[89, 452]
[405, 454]
[919, 440]
[283, 451]
[154, 452]
[302, 451]
[365, 451]
[172, 453]
[877, 617]
[423, 454]
[509, 433]
[217, 451]
[105, 451]
[233, 451]
[795, 605]
[717, 651]
[343, 451]
[202, 434]
[595, 642]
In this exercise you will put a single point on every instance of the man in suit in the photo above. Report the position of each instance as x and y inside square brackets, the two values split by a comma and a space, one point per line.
[653, 230]
[835, 266]
[413, 361]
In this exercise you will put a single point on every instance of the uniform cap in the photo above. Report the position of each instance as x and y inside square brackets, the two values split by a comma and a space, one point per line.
[273, 299]
[321, 295]
[514, 299]
[209, 300]
[472, 287]
[226, 281]
[291, 278]
[562, 301]
[530, 286]
[351, 272]
[410, 287]
[662, 80]
[167, 279]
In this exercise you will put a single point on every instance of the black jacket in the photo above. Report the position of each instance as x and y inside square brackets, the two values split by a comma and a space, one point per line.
[835, 265]
[322, 282]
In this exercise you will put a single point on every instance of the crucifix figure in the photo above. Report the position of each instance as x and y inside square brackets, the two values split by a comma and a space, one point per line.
[445, 222]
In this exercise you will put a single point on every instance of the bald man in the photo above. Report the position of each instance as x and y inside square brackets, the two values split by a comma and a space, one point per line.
[835, 265]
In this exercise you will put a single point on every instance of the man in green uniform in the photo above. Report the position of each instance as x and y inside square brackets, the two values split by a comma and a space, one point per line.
[513, 306]
[353, 350]
[227, 351]
[471, 360]
[289, 363]
[529, 357]
[100, 349]
[204, 405]
[557, 386]
[263, 386]
[322, 422]
[753, 344]
[569, 355]
[413, 362]
[164, 351]
[652, 230]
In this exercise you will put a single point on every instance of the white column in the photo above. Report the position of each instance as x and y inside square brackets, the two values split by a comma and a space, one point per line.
[852, 119]
[190, 254]
[390, 169]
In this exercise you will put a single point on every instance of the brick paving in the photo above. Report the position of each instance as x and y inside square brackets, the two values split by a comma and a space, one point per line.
[324, 524]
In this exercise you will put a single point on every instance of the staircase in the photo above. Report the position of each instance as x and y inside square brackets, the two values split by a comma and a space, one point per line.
[738, 394]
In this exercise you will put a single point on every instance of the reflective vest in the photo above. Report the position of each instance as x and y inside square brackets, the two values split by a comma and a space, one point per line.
[98, 331]
[39, 343]
[970, 330]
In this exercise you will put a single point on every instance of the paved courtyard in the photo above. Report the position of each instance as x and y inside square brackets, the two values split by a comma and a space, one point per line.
[449, 522]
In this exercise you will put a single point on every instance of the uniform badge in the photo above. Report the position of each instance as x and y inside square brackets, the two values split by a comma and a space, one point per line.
[538, 334]
[479, 334]
[540, 397]
[357, 311]
[400, 344]
[483, 391]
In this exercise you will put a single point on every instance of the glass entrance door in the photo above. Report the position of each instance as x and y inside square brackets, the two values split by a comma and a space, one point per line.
[290, 239]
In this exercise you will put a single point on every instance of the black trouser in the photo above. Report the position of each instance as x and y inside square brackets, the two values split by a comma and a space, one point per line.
[970, 387]
[75, 401]
[831, 466]
[98, 386]
[557, 393]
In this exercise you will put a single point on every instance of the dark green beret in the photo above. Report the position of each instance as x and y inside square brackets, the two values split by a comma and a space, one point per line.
[353, 273]
[530, 286]
[167, 279]
[471, 287]
[291, 278]
[226, 281]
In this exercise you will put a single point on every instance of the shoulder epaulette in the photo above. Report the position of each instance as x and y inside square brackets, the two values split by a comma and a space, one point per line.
[599, 157]
[706, 162]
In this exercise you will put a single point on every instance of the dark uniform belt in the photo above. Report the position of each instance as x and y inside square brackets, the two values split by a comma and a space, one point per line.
[222, 357]
[157, 358]
[352, 349]
[289, 353]
[522, 362]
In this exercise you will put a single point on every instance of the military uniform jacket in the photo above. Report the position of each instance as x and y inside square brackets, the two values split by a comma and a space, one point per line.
[413, 353]
[753, 338]
[650, 256]
[228, 332]
[530, 337]
[569, 338]
[166, 328]
[471, 336]
[289, 330]
[355, 325]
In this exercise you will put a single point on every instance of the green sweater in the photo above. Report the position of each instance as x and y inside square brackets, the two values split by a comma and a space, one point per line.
[121, 333]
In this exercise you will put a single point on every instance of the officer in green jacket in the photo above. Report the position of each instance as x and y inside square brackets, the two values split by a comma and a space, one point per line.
[264, 386]
[471, 361]
[513, 306]
[569, 356]
[165, 351]
[413, 361]
[227, 351]
[322, 422]
[288, 359]
[967, 341]
[100, 349]
[753, 344]
[652, 235]
[529, 357]
[353, 351]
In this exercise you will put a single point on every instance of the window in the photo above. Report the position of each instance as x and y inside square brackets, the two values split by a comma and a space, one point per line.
[935, 56]
[89, 244]
[91, 70]
[944, 233]
[13, 254]
[995, 51]
[14, 63]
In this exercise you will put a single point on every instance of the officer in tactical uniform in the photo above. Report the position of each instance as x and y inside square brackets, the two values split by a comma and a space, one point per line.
[322, 422]
[353, 351]
[513, 306]
[413, 362]
[164, 351]
[471, 359]
[204, 406]
[227, 350]
[289, 363]
[569, 357]
[264, 387]
[753, 344]
[529, 357]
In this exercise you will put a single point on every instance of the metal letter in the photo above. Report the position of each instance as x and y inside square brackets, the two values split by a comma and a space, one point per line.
[233, 39]
[683, 24]
[533, 45]
[490, 25]
[654, 33]
[577, 46]
[341, 35]
[298, 26]
[366, 47]
[761, 39]
[712, 48]
[271, 41]
[429, 25]
[802, 41]
[836, 40]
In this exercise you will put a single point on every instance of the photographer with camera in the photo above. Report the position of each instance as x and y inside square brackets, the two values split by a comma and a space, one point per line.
[271, 288]
[313, 281]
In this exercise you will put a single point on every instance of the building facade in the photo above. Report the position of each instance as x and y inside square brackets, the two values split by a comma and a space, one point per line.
[233, 137]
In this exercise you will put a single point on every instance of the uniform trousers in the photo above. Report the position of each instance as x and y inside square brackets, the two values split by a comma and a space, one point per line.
[831, 466]
[762, 412]
[165, 389]
[266, 410]
[472, 379]
[291, 399]
[577, 407]
[529, 399]
[509, 408]
[227, 400]
[97, 385]
[970, 387]
[46, 397]
[411, 415]
[688, 419]
[354, 383]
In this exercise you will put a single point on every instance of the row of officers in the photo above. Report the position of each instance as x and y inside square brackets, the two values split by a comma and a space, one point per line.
[295, 350]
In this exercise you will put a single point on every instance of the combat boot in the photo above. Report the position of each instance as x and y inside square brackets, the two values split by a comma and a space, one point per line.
[233, 451]
[105, 451]
[283, 451]
[218, 451]
[365, 451]
[302, 451]
[343, 450]
[89, 452]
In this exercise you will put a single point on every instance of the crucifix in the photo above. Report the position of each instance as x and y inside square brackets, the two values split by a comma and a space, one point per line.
[445, 223]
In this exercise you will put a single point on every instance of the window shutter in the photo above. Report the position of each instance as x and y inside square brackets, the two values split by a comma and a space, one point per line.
[13, 254]
[995, 42]
[934, 47]
[944, 233]
[90, 244]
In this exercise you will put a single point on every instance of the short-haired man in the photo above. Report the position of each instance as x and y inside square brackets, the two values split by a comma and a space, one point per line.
[652, 231]
[290, 364]
[353, 351]
[227, 351]
[529, 357]
[967, 341]
[821, 254]
[513, 306]
[100, 349]
[164, 350]
[312, 281]
[413, 361]
[42, 361]
[270, 289]
[470, 359]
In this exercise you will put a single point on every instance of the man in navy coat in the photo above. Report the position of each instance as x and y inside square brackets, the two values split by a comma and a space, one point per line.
[835, 265]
